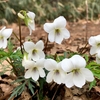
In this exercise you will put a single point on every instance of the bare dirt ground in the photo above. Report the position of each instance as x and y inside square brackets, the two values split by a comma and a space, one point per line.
[80, 33]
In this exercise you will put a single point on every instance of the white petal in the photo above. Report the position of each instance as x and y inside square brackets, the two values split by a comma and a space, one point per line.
[35, 75]
[28, 73]
[48, 27]
[58, 38]
[31, 15]
[41, 72]
[87, 74]
[78, 61]
[40, 62]
[49, 77]
[41, 54]
[51, 36]
[93, 50]
[3, 43]
[40, 45]
[69, 80]
[30, 30]
[7, 33]
[60, 22]
[35, 56]
[65, 33]
[67, 65]
[50, 64]
[28, 46]
[28, 64]
[59, 78]
[79, 79]
[92, 41]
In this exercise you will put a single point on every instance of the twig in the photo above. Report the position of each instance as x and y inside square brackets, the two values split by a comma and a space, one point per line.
[55, 92]
[86, 2]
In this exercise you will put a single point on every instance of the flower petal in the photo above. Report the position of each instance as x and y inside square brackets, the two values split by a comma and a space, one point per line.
[93, 50]
[58, 38]
[49, 77]
[28, 64]
[28, 46]
[3, 43]
[65, 33]
[7, 33]
[60, 22]
[67, 65]
[78, 61]
[79, 79]
[40, 62]
[69, 80]
[48, 27]
[40, 45]
[28, 73]
[31, 15]
[87, 74]
[35, 75]
[41, 72]
[51, 36]
[50, 64]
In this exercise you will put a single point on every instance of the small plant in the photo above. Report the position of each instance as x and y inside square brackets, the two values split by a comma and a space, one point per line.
[34, 69]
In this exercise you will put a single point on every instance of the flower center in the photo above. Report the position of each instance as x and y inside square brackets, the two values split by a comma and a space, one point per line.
[34, 52]
[76, 71]
[35, 69]
[57, 31]
[98, 44]
[56, 72]
[1, 37]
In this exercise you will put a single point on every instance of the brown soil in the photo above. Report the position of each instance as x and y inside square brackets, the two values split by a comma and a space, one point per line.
[80, 33]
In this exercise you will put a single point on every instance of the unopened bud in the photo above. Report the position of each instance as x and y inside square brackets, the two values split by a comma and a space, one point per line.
[20, 16]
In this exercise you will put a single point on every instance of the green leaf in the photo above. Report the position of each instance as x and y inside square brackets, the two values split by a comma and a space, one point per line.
[31, 86]
[92, 84]
[18, 90]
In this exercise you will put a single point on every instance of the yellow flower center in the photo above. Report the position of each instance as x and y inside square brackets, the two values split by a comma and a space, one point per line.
[76, 71]
[56, 72]
[57, 31]
[1, 37]
[98, 44]
[34, 51]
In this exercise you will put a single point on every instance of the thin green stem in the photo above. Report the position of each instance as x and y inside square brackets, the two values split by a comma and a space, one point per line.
[14, 69]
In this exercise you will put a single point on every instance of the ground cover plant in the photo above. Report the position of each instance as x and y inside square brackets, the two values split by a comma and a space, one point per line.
[36, 70]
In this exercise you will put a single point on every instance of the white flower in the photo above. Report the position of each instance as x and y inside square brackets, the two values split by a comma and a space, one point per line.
[57, 30]
[55, 73]
[94, 41]
[35, 51]
[34, 69]
[4, 35]
[77, 74]
[31, 23]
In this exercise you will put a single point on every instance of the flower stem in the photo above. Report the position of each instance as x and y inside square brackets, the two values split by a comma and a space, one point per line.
[20, 34]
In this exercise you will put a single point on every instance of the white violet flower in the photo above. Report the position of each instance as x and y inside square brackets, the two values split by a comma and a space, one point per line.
[55, 73]
[34, 69]
[35, 51]
[31, 23]
[77, 74]
[94, 41]
[57, 30]
[4, 35]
